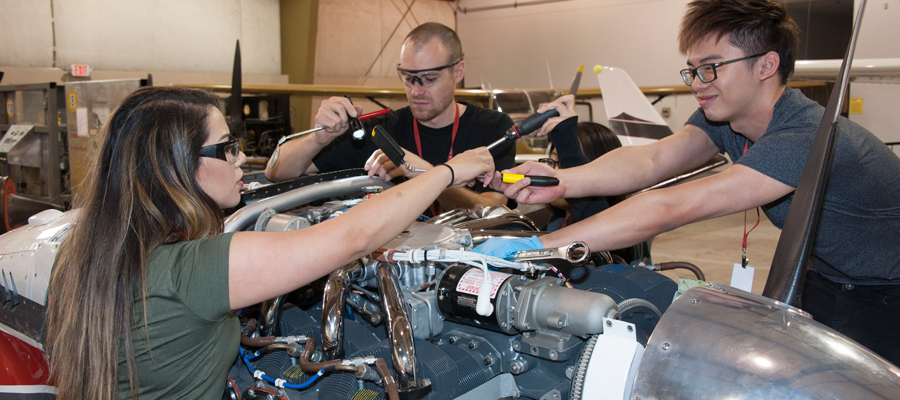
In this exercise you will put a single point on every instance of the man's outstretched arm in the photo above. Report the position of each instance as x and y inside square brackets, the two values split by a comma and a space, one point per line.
[646, 215]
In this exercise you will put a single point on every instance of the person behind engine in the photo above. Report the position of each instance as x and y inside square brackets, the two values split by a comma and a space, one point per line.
[573, 144]
[740, 54]
[142, 295]
[432, 129]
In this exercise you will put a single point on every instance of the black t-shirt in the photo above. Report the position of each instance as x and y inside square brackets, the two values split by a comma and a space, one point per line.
[477, 127]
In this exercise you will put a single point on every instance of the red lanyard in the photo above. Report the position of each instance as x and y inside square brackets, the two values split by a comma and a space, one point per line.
[452, 135]
[744, 261]
[449, 156]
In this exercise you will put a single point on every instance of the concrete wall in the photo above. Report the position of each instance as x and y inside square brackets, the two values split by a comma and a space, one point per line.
[195, 36]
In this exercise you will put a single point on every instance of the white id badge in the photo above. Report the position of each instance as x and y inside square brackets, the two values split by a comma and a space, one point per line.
[742, 278]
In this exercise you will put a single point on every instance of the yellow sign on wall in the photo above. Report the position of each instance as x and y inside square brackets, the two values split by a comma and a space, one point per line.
[72, 100]
[856, 105]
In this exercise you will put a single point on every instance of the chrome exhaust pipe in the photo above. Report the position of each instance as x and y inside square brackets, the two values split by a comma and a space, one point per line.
[399, 330]
[333, 302]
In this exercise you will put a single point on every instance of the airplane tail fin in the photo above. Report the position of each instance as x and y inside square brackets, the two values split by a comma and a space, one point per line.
[631, 116]
[234, 108]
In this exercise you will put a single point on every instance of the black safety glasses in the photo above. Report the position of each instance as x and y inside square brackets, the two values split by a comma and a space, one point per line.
[707, 72]
[225, 151]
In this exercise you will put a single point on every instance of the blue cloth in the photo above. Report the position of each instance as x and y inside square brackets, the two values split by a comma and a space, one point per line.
[507, 248]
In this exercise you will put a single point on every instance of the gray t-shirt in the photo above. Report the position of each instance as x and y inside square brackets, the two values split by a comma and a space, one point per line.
[858, 238]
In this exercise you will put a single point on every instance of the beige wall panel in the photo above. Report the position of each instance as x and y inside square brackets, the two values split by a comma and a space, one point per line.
[17, 76]
[880, 30]
[26, 36]
[353, 32]
[132, 34]
[129, 35]
[515, 45]
[260, 36]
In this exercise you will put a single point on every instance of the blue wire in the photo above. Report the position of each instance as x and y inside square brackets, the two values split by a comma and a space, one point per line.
[303, 385]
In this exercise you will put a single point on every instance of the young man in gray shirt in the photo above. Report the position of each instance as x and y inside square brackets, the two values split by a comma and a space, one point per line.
[739, 56]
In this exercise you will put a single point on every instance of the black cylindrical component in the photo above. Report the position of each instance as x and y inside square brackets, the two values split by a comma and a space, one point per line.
[524, 127]
[457, 295]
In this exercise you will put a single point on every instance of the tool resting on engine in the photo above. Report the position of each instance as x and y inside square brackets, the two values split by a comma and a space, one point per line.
[576, 253]
[525, 127]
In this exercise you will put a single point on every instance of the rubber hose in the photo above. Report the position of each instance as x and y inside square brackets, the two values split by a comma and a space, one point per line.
[666, 266]
[389, 386]
[257, 342]
[305, 358]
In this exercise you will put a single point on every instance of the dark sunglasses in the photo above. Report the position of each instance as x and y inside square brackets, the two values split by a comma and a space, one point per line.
[225, 151]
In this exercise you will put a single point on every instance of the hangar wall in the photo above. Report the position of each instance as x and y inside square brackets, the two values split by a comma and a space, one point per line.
[196, 37]
[518, 45]
[878, 39]
[358, 42]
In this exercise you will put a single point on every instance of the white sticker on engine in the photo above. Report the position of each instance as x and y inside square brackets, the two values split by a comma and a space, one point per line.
[471, 281]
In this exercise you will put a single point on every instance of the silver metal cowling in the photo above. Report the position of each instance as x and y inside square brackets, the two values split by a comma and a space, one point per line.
[722, 343]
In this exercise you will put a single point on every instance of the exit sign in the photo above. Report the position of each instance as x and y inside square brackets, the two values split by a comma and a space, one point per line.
[79, 70]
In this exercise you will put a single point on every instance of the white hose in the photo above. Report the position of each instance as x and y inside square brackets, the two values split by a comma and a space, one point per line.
[465, 257]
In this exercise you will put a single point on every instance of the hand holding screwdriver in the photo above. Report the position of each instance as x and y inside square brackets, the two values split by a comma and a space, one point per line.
[396, 154]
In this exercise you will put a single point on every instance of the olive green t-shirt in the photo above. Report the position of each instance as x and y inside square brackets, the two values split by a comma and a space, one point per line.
[193, 333]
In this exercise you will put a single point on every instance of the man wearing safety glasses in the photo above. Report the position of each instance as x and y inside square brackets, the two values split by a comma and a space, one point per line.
[431, 129]
[740, 54]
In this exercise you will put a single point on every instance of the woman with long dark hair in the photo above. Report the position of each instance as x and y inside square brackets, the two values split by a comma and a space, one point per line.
[141, 297]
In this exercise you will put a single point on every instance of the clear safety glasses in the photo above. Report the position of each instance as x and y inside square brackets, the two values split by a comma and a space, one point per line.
[426, 77]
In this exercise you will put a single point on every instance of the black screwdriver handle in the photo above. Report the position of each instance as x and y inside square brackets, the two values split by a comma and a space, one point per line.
[537, 180]
[534, 122]
[388, 146]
